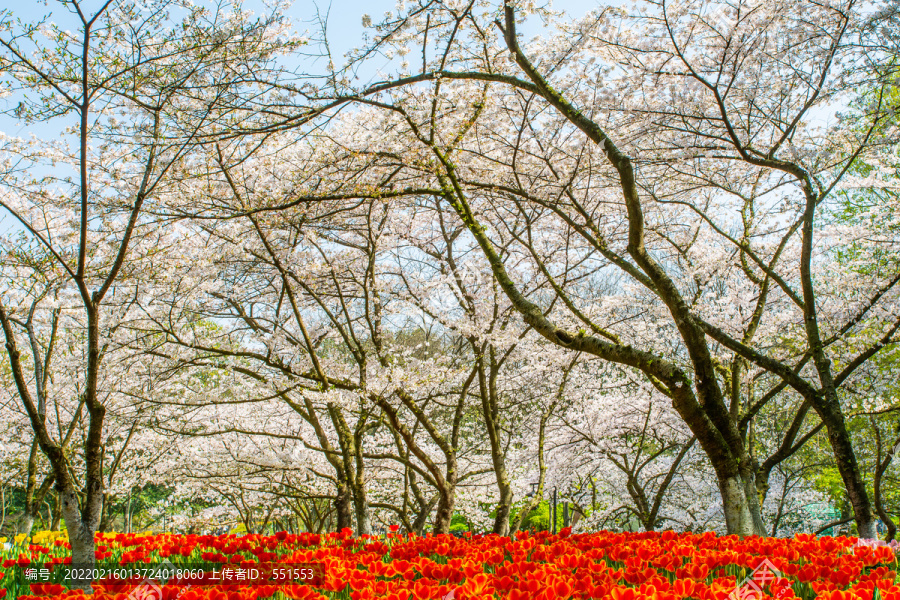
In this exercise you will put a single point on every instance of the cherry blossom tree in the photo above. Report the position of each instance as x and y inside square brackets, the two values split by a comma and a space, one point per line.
[129, 101]
[680, 132]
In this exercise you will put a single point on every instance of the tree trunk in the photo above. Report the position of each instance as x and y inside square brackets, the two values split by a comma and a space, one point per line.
[342, 507]
[26, 523]
[57, 514]
[128, 514]
[353, 467]
[752, 495]
[501, 521]
[444, 514]
[738, 517]
[104, 515]
[81, 533]
[360, 497]
[734, 475]
[490, 412]
[576, 516]
[882, 513]
[29, 511]
[361, 507]
[418, 525]
[842, 446]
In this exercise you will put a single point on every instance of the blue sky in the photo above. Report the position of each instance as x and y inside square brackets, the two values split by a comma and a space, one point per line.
[345, 23]
[345, 16]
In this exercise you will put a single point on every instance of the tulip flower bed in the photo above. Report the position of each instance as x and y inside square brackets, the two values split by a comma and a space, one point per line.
[614, 566]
